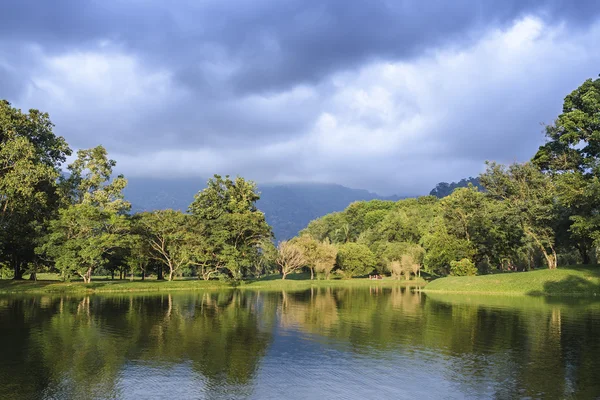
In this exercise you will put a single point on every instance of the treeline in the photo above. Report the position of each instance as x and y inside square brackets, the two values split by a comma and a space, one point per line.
[540, 213]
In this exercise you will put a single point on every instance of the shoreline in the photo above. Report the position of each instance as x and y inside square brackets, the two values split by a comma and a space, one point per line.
[10, 287]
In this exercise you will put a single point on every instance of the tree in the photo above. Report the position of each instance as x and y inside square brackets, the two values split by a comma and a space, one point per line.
[325, 262]
[320, 256]
[355, 260]
[572, 156]
[95, 224]
[402, 258]
[138, 251]
[441, 248]
[169, 238]
[30, 159]
[310, 249]
[530, 196]
[266, 263]
[83, 236]
[227, 210]
[290, 258]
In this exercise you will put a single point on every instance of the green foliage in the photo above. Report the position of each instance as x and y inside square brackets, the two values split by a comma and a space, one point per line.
[320, 257]
[530, 198]
[355, 260]
[6, 272]
[30, 158]
[464, 267]
[572, 156]
[94, 225]
[234, 227]
[168, 237]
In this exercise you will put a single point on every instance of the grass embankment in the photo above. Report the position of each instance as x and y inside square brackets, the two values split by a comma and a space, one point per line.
[273, 282]
[566, 281]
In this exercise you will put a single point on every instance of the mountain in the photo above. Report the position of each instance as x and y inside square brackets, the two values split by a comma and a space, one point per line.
[444, 189]
[288, 208]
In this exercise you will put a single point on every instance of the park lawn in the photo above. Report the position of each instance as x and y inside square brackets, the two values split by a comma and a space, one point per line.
[566, 281]
[50, 284]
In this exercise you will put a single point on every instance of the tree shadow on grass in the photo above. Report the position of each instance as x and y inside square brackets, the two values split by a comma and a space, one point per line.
[571, 286]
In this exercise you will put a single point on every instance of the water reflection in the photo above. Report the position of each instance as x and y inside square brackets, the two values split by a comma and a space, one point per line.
[327, 342]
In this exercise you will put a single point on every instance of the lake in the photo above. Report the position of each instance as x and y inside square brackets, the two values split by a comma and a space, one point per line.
[344, 343]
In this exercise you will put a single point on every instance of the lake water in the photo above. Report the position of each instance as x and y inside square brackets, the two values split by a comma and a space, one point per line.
[319, 344]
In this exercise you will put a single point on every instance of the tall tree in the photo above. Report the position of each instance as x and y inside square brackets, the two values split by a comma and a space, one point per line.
[170, 239]
[572, 155]
[30, 159]
[95, 224]
[227, 210]
[530, 196]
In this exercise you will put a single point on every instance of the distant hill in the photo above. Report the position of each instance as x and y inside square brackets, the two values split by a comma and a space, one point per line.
[288, 208]
[444, 189]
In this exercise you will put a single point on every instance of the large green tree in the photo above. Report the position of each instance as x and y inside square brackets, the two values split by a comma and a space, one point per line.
[234, 227]
[355, 260]
[95, 223]
[170, 239]
[531, 199]
[572, 155]
[30, 159]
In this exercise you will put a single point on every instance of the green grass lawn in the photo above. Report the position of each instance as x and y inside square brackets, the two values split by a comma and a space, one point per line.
[565, 281]
[49, 283]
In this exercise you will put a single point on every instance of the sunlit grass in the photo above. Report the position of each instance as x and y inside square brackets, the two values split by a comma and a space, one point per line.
[571, 281]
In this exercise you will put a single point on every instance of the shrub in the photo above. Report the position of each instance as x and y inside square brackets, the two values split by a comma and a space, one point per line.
[464, 267]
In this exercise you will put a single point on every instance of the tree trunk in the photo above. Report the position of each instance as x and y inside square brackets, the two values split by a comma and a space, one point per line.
[112, 274]
[143, 274]
[583, 251]
[550, 258]
[312, 273]
[170, 272]
[33, 276]
[17, 270]
[283, 275]
[87, 277]
[159, 273]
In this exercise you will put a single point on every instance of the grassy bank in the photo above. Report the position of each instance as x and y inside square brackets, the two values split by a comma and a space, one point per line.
[566, 281]
[294, 282]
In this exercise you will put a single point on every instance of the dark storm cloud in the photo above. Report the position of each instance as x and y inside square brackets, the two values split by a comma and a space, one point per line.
[275, 43]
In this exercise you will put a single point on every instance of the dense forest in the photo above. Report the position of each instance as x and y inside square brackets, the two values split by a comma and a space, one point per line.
[538, 214]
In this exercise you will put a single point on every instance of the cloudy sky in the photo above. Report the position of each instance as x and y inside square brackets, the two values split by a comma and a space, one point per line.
[391, 96]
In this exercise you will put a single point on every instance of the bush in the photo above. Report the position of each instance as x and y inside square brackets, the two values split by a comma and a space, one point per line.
[6, 272]
[355, 260]
[464, 267]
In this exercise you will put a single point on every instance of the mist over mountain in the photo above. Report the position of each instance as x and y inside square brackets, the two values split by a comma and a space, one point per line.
[288, 207]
